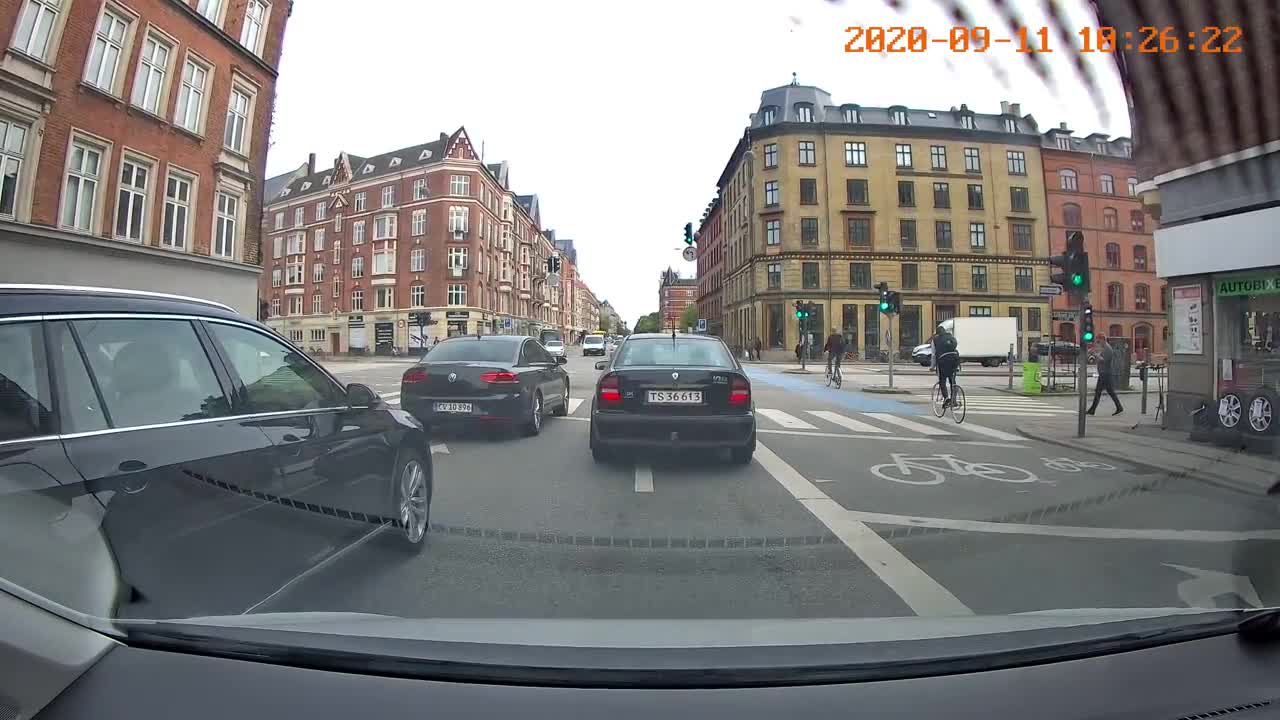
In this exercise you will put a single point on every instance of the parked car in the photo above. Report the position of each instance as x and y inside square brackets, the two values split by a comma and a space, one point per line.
[593, 345]
[663, 393]
[492, 378]
[923, 354]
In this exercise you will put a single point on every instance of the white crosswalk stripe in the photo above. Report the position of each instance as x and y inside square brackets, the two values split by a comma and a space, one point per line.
[979, 429]
[908, 424]
[786, 420]
[846, 422]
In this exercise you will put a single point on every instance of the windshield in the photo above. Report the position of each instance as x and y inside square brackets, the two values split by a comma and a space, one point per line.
[637, 323]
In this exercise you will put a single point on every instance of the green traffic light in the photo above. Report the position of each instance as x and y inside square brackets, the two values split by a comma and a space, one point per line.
[1088, 337]
[1077, 279]
[884, 306]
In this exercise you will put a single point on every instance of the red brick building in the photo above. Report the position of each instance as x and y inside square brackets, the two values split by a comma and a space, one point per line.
[674, 295]
[1091, 185]
[710, 263]
[133, 141]
[356, 252]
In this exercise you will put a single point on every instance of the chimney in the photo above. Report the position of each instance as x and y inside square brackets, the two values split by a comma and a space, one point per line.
[311, 164]
[1062, 126]
[1004, 107]
[1015, 109]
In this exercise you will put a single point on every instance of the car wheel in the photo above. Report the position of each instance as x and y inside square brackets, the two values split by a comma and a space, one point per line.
[1260, 417]
[412, 498]
[533, 425]
[563, 409]
[1231, 410]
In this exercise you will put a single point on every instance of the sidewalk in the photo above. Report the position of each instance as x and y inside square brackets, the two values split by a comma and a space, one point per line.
[1169, 451]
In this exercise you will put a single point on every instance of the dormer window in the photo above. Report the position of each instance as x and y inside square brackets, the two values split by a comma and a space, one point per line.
[851, 114]
[424, 155]
[768, 115]
[326, 180]
[804, 112]
[967, 122]
[285, 192]
[395, 162]
[1102, 147]
[1064, 142]
[306, 186]
[1127, 148]
[1011, 125]
[368, 169]
[898, 116]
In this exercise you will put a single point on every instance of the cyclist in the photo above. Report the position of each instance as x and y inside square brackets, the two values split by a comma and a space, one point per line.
[834, 349]
[946, 360]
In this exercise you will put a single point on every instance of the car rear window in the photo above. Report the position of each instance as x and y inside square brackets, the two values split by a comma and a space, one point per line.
[593, 339]
[666, 351]
[473, 351]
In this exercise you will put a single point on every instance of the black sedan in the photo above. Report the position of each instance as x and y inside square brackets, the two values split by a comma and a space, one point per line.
[669, 392]
[493, 378]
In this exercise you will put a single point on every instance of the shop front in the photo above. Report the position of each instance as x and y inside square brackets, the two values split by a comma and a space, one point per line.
[457, 322]
[1246, 349]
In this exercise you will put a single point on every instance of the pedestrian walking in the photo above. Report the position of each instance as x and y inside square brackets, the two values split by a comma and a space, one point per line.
[1106, 365]
[757, 346]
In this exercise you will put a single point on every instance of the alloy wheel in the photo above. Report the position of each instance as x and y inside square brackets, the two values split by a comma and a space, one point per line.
[413, 501]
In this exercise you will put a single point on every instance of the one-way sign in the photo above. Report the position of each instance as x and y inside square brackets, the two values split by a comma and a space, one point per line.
[1050, 289]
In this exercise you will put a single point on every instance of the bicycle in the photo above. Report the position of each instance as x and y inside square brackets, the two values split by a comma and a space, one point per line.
[834, 375]
[904, 465]
[957, 405]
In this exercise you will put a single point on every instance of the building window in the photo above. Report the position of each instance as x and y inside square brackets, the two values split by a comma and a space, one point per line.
[1137, 221]
[804, 112]
[977, 236]
[1021, 237]
[860, 275]
[104, 53]
[941, 195]
[1107, 183]
[946, 277]
[1068, 180]
[856, 191]
[190, 110]
[809, 277]
[131, 202]
[384, 227]
[388, 196]
[35, 27]
[767, 115]
[418, 224]
[321, 209]
[357, 266]
[279, 221]
[458, 258]
[898, 117]
[275, 307]
[968, 122]
[420, 189]
[910, 276]
[938, 157]
[209, 9]
[295, 270]
[237, 121]
[1139, 257]
[979, 311]
[1141, 298]
[808, 191]
[1019, 199]
[771, 155]
[384, 260]
[1115, 297]
[458, 217]
[418, 296]
[337, 287]
[809, 231]
[1133, 186]
[255, 17]
[1022, 279]
[859, 230]
[1110, 219]
[153, 67]
[855, 154]
[418, 260]
[907, 234]
[357, 300]
[902, 155]
[942, 234]
[360, 202]
[80, 193]
[297, 243]
[224, 235]
[850, 115]
[295, 308]
[774, 271]
[384, 298]
[1113, 255]
[460, 185]
[906, 193]
[1071, 215]
[1063, 142]
[770, 193]
[808, 155]
[1017, 162]
[357, 232]
[773, 232]
[299, 216]
[975, 197]
[457, 295]
[177, 211]
[277, 278]
[317, 272]
[317, 308]
[972, 160]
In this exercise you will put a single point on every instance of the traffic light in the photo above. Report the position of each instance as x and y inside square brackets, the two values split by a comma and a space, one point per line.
[890, 300]
[1086, 324]
[799, 310]
[1071, 269]
[688, 233]
[553, 264]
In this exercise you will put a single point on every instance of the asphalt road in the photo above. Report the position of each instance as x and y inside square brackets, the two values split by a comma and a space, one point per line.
[855, 505]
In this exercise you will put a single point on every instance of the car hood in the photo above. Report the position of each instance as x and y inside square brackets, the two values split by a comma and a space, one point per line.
[681, 633]
[922, 348]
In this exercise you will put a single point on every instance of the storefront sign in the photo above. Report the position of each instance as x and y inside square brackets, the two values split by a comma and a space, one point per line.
[1249, 285]
[1064, 315]
[383, 333]
[457, 314]
[1187, 313]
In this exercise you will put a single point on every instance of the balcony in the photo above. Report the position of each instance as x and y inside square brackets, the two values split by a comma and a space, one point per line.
[459, 235]
[457, 272]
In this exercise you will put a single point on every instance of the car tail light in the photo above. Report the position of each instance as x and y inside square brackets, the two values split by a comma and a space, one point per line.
[609, 392]
[415, 375]
[500, 377]
[739, 392]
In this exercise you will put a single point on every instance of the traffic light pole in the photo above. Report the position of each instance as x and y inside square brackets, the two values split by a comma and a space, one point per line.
[891, 352]
[1082, 369]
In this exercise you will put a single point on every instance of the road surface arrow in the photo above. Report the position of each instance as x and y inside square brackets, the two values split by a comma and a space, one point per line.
[1205, 585]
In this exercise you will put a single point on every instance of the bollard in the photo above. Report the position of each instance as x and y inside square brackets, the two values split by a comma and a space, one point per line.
[1142, 374]
[1010, 367]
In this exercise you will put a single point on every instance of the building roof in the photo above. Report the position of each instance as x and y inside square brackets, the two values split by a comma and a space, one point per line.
[273, 185]
[1095, 143]
[363, 168]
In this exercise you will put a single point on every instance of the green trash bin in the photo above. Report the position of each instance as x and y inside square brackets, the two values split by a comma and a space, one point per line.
[1031, 378]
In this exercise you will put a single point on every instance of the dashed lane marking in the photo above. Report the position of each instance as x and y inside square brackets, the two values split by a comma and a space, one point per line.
[989, 432]
[908, 424]
[845, 422]
[786, 420]
[440, 449]
[644, 479]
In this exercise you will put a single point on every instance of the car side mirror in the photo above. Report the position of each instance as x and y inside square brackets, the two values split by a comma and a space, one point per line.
[361, 396]
[560, 359]
[602, 364]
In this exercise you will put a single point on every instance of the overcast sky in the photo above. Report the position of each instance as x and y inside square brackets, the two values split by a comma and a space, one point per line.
[622, 122]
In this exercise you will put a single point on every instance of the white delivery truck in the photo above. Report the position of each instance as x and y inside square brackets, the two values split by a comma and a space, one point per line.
[983, 339]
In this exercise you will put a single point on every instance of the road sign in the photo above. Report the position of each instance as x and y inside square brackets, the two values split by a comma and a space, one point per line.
[1050, 289]
[702, 325]
[690, 254]
[1064, 315]
[553, 279]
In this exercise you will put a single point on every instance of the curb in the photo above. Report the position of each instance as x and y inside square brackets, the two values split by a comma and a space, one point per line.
[1007, 391]
[885, 390]
[1207, 478]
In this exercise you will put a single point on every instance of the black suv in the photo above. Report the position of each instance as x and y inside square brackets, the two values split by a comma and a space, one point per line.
[217, 461]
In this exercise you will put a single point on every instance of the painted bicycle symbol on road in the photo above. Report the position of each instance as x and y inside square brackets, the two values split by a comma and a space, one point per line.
[934, 469]
[1063, 464]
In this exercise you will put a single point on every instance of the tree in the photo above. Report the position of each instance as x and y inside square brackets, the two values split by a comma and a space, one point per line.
[689, 318]
[648, 323]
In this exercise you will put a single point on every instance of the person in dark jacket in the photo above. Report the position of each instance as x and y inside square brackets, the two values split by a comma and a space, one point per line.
[834, 349]
[1106, 367]
[946, 360]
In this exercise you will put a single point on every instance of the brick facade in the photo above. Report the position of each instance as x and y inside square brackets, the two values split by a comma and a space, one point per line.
[710, 269]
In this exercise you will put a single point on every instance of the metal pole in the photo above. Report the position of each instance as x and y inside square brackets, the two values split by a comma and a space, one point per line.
[891, 352]
[1082, 372]
[804, 345]
[1144, 372]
